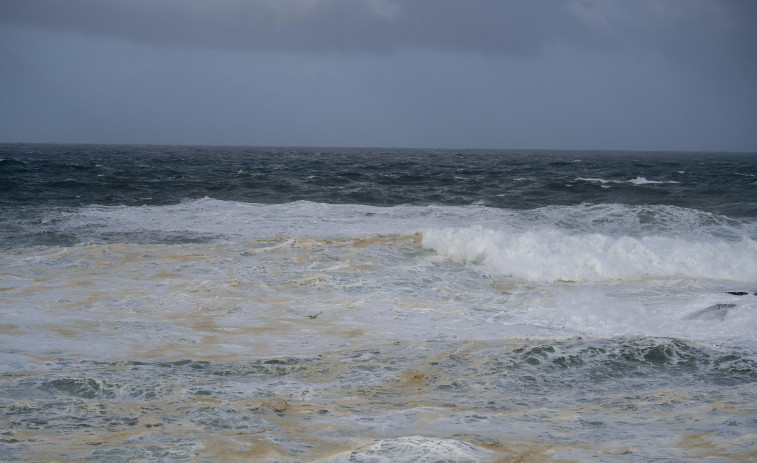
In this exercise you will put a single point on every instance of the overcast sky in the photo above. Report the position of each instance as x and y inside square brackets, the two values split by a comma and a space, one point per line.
[572, 74]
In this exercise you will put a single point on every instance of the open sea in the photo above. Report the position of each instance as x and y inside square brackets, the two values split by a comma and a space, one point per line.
[214, 304]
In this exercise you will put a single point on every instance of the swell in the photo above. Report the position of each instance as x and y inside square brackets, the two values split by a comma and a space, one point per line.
[80, 175]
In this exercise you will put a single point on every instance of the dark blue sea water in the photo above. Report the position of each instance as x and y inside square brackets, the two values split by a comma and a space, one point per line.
[182, 303]
[79, 175]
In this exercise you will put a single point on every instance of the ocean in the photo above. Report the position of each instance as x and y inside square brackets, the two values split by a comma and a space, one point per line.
[193, 303]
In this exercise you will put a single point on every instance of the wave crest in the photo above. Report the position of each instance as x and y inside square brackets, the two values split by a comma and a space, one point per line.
[552, 254]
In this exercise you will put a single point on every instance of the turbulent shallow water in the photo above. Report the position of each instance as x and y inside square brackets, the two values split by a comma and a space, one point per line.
[255, 304]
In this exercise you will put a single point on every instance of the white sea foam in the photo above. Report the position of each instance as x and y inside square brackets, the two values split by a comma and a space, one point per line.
[480, 267]
[237, 220]
[596, 180]
[550, 254]
[644, 181]
[608, 311]
[416, 449]
[635, 181]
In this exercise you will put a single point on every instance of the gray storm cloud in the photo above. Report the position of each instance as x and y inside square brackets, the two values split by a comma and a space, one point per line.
[670, 74]
[305, 25]
[704, 33]
[520, 27]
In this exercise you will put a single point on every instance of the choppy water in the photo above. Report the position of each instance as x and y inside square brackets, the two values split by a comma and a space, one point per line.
[252, 304]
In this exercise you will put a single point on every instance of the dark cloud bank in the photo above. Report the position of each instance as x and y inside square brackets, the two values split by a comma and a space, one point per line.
[306, 25]
[675, 74]
[520, 27]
